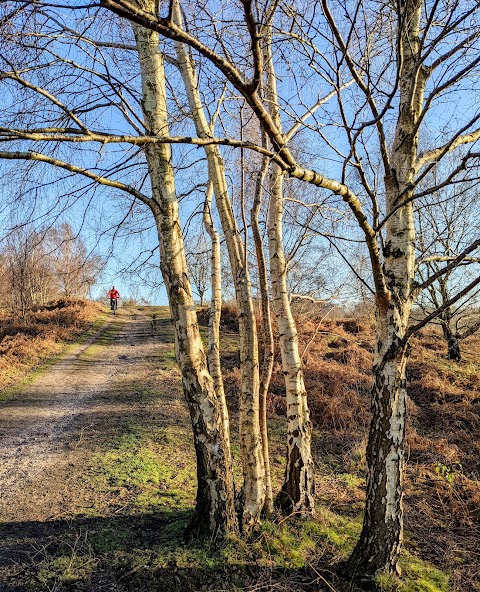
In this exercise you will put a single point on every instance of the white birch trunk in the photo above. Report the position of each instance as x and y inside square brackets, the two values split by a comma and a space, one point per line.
[250, 438]
[215, 510]
[268, 340]
[381, 537]
[298, 488]
[213, 352]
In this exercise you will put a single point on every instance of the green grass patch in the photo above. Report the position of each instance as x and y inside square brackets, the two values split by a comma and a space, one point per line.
[151, 467]
[417, 576]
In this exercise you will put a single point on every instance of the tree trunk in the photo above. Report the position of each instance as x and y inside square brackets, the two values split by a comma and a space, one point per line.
[381, 538]
[215, 511]
[453, 343]
[250, 438]
[298, 488]
[451, 337]
[213, 352]
[382, 533]
[268, 340]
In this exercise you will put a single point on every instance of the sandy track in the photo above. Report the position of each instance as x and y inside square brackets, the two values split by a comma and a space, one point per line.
[44, 424]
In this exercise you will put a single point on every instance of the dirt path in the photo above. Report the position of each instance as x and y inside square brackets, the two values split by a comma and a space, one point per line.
[51, 430]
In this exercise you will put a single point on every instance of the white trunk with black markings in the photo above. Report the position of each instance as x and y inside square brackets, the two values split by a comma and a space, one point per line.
[381, 538]
[215, 513]
[250, 437]
[298, 487]
[213, 352]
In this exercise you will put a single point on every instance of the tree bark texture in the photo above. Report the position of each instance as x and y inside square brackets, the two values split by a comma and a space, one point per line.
[382, 533]
[250, 438]
[298, 488]
[267, 330]
[215, 509]
[213, 351]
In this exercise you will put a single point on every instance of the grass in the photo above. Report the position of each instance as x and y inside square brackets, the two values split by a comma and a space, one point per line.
[418, 576]
[149, 467]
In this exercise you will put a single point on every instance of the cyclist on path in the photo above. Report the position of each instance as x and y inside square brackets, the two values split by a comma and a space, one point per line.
[113, 294]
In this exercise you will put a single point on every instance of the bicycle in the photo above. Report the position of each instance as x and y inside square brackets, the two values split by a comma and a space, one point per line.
[114, 305]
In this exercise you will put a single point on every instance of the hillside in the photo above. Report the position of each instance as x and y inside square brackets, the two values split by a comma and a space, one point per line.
[44, 332]
[442, 497]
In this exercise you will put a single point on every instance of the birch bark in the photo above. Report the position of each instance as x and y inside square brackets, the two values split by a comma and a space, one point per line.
[250, 438]
[213, 352]
[382, 533]
[298, 487]
[215, 510]
[268, 340]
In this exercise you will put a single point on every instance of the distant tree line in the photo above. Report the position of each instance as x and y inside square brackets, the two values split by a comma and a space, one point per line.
[39, 266]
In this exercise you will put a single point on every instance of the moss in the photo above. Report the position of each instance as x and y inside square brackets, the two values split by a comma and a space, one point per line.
[417, 576]
[351, 480]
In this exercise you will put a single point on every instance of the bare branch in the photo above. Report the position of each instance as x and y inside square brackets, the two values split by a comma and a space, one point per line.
[36, 156]
[444, 306]
[452, 265]
[442, 150]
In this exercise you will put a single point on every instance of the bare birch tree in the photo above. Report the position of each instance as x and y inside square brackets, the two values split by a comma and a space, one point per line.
[253, 461]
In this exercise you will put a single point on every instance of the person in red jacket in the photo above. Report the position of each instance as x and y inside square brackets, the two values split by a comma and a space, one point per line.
[114, 295]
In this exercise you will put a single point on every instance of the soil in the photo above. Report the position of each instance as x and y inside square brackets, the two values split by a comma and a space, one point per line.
[52, 426]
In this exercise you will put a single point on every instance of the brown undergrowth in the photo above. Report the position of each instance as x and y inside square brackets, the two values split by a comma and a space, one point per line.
[442, 493]
[26, 342]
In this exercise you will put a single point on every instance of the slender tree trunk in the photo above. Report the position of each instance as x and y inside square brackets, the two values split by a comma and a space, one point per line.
[268, 340]
[298, 488]
[213, 352]
[250, 438]
[215, 510]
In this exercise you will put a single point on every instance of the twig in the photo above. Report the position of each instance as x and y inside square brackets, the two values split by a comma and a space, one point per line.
[322, 578]
[315, 333]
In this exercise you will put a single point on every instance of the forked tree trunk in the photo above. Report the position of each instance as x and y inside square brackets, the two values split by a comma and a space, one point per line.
[298, 489]
[250, 439]
[215, 510]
